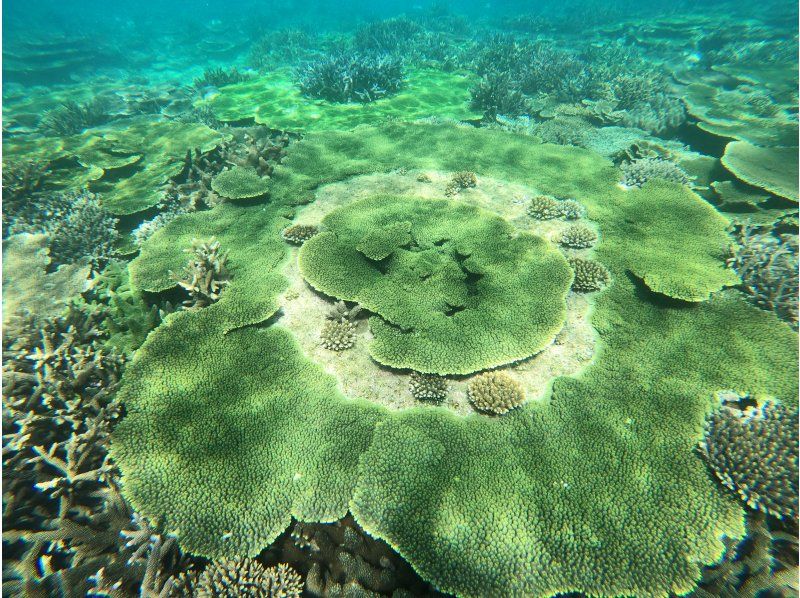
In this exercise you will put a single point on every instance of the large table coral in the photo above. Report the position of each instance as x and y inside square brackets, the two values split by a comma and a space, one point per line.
[457, 290]
[231, 430]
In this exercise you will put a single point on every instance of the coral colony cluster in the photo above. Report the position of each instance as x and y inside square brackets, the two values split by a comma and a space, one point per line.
[512, 296]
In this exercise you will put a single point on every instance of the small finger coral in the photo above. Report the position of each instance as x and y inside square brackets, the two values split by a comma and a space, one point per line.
[495, 392]
[543, 207]
[298, 234]
[428, 387]
[589, 275]
[578, 236]
[338, 335]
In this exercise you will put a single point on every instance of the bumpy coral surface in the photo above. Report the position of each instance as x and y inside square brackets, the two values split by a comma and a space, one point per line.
[495, 392]
[433, 272]
[754, 453]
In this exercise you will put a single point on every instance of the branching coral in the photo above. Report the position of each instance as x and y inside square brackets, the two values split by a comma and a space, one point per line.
[428, 387]
[768, 266]
[87, 230]
[396, 35]
[589, 275]
[637, 172]
[459, 181]
[351, 78]
[754, 453]
[338, 335]
[20, 181]
[76, 224]
[543, 207]
[206, 275]
[578, 236]
[495, 392]
[299, 233]
[72, 117]
[217, 77]
[498, 93]
[569, 209]
[280, 47]
[233, 578]
[65, 524]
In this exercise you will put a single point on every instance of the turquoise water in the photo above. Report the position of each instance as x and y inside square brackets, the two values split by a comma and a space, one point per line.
[390, 299]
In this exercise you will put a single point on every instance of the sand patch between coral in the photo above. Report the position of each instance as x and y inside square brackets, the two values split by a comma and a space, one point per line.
[358, 375]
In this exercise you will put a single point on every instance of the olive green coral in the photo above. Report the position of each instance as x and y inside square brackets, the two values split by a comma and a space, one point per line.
[495, 392]
[590, 275]
[543, 207]
[433, 273]
[338, 335]
[754, 453]
[239, 183]
[578, 236]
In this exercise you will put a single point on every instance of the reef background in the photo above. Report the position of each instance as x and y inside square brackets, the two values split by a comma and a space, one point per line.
[120, 119]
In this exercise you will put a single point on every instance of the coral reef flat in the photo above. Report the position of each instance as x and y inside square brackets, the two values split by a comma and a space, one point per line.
[385, 300]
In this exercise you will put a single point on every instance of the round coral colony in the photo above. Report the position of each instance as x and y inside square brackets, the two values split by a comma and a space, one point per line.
[432, 273]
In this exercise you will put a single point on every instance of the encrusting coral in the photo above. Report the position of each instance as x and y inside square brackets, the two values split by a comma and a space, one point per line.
[590, 275]
[495, 392]
[754, 452]
[298, 234]
[578, 236]
[428, 387]
[206, 275]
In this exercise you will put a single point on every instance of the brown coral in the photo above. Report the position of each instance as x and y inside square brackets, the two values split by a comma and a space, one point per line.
[299, 233]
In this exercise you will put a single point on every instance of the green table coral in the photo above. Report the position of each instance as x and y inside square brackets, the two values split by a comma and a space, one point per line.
[230, 430]
[125, 161]
[239, 183]
[771, 168]
[274, 100]
[453, 288]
